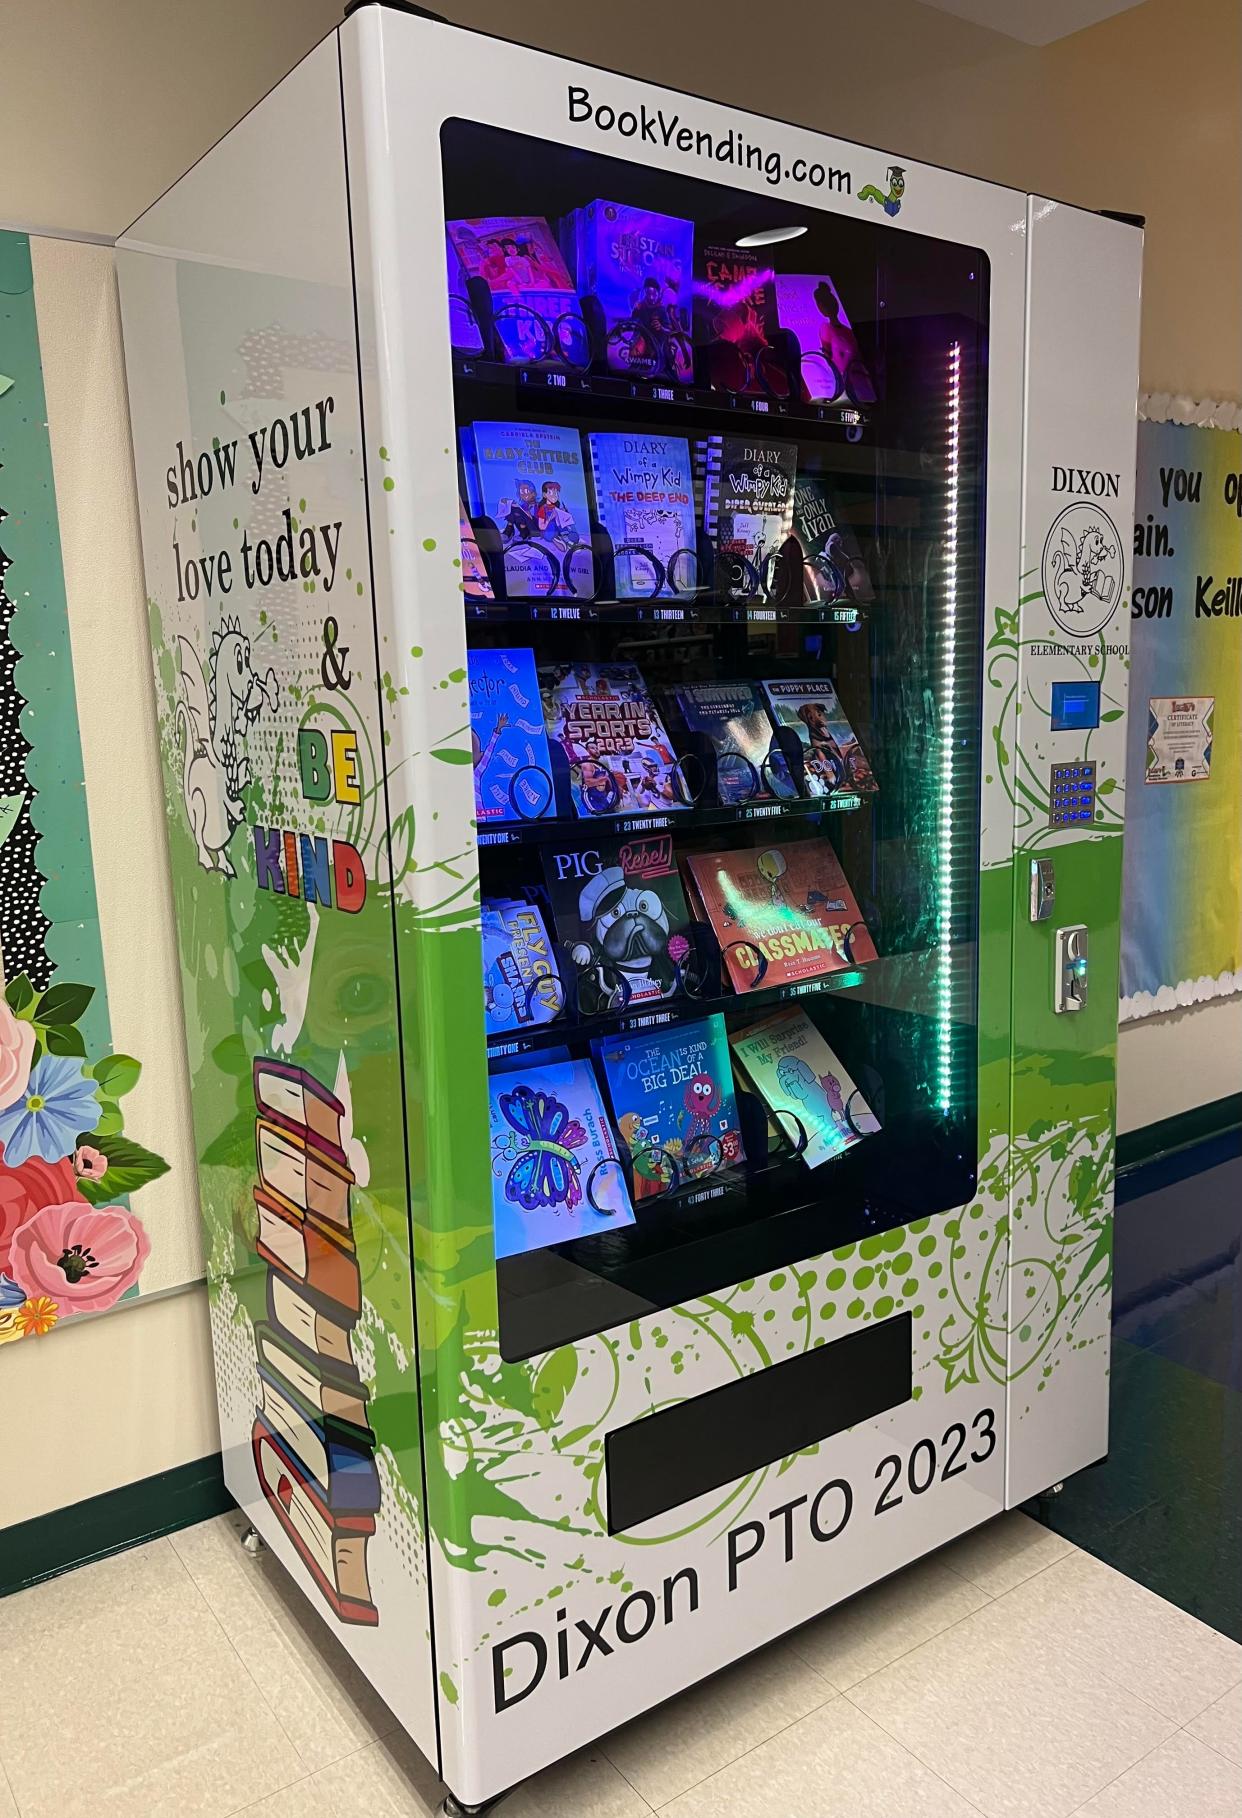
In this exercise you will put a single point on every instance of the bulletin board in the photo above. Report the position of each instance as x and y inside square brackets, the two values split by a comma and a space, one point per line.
[1182, 890]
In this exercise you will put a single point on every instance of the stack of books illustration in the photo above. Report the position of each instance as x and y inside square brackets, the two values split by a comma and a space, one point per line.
[314, 1449]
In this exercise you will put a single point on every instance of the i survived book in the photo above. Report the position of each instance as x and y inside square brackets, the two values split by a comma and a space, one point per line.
[621, 913]
[782, 914]
[555, 1167]
[529, 478]
[804, 1085]
[508, 740]
[620, 757]
[674, 1104]
[644, 498]
[640, 267]
[731, 719]
[832, 755]
[832, 564]
[748, 494]
[833, 369]
[521, 983]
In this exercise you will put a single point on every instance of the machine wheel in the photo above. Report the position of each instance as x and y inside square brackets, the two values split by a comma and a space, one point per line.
[453, 1808]
[252, 1542]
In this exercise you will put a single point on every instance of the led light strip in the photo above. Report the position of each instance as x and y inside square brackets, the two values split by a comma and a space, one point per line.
[944, 907]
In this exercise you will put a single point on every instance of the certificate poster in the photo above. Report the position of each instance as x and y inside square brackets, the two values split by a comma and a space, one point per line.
[1181, 937]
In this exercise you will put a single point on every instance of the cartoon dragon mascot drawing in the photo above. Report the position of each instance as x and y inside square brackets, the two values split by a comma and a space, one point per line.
[212, 721]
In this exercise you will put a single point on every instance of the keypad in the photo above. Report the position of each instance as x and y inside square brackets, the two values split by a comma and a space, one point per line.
[1071, 795]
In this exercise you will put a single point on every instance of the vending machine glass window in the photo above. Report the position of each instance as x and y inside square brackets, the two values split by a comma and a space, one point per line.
[721, 473]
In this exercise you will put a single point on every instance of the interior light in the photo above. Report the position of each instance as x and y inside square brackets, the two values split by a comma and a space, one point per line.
[770, 236]
[948, 681]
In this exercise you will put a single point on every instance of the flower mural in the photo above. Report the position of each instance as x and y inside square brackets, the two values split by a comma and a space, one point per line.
[66, 1245]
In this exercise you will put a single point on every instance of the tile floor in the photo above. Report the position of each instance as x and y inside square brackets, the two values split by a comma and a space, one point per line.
[1011, 1676]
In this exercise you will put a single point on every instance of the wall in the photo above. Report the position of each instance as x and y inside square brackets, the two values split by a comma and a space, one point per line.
[107, 105]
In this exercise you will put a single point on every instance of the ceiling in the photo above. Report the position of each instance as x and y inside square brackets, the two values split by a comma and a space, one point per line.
[1034, 21]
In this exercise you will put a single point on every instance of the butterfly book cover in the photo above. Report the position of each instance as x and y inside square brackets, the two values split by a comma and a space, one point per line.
[530, 480]
[521, 981]
[508, 739]
[619, 754]
[556, 1174]
[811, 1097]
[832, 756]
[832, 564]
[620, 912]
[673, 1103]
[731, 718]
[782, 914]
[748, 493]
[644, 498]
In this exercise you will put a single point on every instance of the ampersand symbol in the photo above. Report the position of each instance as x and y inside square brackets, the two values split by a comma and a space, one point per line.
[332, 668]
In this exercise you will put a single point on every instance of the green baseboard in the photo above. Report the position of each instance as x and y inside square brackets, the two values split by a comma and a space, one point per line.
[56, 1542]
[1154, 1141]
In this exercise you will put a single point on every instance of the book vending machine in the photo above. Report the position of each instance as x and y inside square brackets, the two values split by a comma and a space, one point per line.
[638, 596]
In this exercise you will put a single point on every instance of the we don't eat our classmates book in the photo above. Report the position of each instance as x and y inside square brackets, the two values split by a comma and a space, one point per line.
[781, 913]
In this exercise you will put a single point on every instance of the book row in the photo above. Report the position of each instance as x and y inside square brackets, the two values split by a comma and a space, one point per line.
[644, 295]
[575, 1144]
[633, 924]
[313, 1445]
[594, 733]
[539, 493]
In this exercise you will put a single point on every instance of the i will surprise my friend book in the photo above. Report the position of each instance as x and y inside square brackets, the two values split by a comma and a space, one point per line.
[621, 914]
[555, 1168]
[781, 913]
[748, 493]
[644, 498]
[620, 758]
[674, 1104]
[731, 719]
[832, 756]
[508, 739]
[804, 1085]
[529, 478]
[521, 982]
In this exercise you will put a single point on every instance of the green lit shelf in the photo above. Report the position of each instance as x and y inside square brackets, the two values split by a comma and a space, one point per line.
[663, 1013]
[558, 830]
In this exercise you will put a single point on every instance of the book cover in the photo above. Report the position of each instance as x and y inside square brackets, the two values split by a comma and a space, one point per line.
[620, 757]
[640, 267]
[620, 911]
[475, 580]
[832, 564]
[556, 1174]
[748, 493]
[311, 1255]
[340, 1461]
[781, 913]
[295, 1099]
[833, 369]
[508, 739]
[325, 1385]
[464, 332]
[513, 254]
[644, 498]
[804, 1084]
[734, 316]
[529, 478]
[332, 1547]
[303, 1171]
[732, 718]
[521, 983]
[673, 1103]
[832, 756]
[319, 1335]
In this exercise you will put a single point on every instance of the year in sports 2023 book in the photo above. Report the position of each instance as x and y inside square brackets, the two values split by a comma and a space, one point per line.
[781, 913]
[811, 1096]
[674, 1103]
[621, 915]
[832, 756]
[644, 498]
[508, 739]
[556, 1174]
[620, 757]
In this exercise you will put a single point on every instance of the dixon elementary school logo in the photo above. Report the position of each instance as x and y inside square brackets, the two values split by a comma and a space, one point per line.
[1083, 570]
